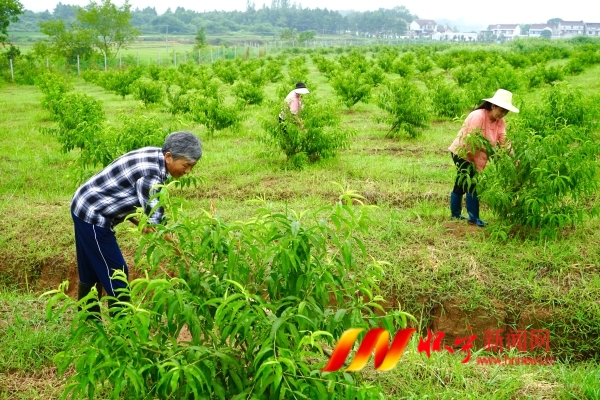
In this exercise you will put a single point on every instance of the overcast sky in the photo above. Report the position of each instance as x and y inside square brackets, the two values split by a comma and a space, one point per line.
[471, 12]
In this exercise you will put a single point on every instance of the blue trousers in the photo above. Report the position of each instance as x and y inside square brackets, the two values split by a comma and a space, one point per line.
[98, 256]
[463, 168]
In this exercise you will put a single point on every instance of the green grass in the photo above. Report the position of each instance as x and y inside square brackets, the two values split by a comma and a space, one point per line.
[449, 275]
[28, 344]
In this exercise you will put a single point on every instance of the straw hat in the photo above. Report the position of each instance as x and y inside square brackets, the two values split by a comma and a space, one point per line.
[301, 88]
[503, 98]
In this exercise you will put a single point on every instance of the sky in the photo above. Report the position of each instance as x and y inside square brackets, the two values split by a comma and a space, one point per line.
[468, 13]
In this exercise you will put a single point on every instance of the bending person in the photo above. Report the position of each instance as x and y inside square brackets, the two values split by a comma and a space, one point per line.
[293, 102]
[115, 192]
[489, 119]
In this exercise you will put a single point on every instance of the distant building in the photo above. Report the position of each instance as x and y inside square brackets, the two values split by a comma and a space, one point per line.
[505, 31]
[423, 27]
[535, 30]
[571, 28]
[592, 29]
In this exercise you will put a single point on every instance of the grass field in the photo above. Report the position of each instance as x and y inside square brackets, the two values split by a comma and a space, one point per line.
[448, 274]
[172, 49]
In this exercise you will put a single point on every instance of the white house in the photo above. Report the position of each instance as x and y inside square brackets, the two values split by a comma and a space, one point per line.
[592, 29]
[535, 30]
[571, 28]
[506, 31]
[423, 27]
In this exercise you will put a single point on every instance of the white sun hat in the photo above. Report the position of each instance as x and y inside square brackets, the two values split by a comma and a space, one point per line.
[503, 98]
[301, 88]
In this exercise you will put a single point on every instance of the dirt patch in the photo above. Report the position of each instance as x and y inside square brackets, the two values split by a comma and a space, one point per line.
[56, 270]
[410, 200]
[534, 318]
[48, 273]
[184, 335]
[43, 384]
[535, 388]
[394, 150]
[455, 322]
[461, 229]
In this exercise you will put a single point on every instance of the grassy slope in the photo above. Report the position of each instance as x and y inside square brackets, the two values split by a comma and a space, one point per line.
[446, 273]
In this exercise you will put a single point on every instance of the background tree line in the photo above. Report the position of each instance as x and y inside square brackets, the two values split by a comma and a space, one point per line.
[264, 21]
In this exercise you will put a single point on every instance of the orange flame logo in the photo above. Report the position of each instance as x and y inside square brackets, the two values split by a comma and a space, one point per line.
[376, 339]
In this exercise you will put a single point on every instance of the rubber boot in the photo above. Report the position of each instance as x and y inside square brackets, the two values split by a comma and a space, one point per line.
[456, 206]
[472, 203]
[83, 290]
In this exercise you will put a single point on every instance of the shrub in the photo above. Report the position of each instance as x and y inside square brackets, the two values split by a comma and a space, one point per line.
[552, 183]
[179, 100]
[212, 112]
[403, 69]
[375, 76]
[465, 74]
[139, 130]
[298, 71]
[53, 86]
[256, 78]
[26, 67]
[517, 60]
[259, 299]
[120, 82]
[355, 61]
[90, 75]
[80, 119]
[560, 105]
[249, 93]
[273, 71]
[424, 64]
[536, 77]
[154, 72]
[574, 67]
[554, 74]
[385, 60]
[319, 137]
[445, 62]
[407, 106]
[324, 65]
[226, 70]
[148, 91]
[447, 99]
[350, 86]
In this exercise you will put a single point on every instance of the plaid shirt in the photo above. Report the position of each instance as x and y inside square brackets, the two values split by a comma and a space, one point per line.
[115, 192]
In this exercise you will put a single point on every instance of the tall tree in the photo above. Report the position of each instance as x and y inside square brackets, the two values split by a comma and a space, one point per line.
[9, 11]
[289, 34]
[66, 40]
[554, 21]
[201, 40]
[306, 36]
[111, 25]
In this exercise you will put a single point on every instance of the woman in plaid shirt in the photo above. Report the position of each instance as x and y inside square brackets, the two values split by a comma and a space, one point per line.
[115, 192]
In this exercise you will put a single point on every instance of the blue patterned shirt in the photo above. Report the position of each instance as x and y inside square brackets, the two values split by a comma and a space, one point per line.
[115, 192]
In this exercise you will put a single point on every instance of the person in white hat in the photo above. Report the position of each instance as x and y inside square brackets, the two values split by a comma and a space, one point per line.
[489, 119]
[294, 102]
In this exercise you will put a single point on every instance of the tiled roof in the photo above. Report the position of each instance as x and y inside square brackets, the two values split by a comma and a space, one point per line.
[502, 26]
[571, 22]
[425, 22]
[541, 26]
